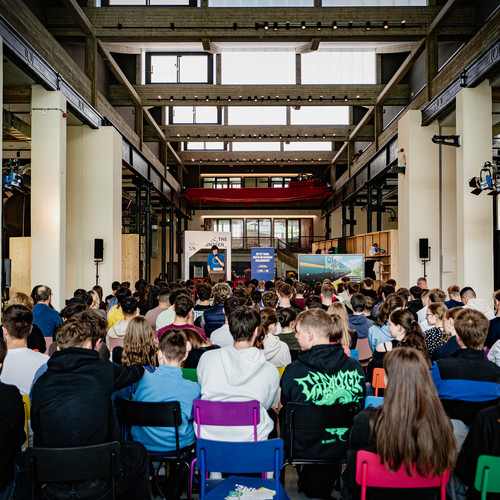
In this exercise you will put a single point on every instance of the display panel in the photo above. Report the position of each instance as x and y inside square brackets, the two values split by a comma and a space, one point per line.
[333, 267]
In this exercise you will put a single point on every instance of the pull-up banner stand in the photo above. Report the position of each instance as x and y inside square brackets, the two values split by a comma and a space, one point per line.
[194, 241]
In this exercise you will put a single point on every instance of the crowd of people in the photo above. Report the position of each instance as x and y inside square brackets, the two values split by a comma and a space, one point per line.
[277, 342]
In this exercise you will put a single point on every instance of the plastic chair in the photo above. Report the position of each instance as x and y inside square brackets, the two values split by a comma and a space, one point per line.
[66, 465]
[237, 280]
[27, 416]
[373, 402]
[371, 473]
[378, 380]
[487, 475]
[355, 354]
[281, 369]
[190, 374]
[167, 414]
[365, 353]
[48, 342]
[240, 458]
[115, 343]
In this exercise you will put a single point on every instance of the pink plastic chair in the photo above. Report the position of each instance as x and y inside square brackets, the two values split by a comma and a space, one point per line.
[371, 473]
[48, 343]
[115, 343]
[365, 353]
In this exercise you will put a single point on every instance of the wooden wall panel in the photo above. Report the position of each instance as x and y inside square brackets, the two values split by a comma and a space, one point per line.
[130, 257]
[20, 254]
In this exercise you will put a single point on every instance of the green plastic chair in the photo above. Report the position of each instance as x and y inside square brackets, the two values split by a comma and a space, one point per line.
[190, 374]
[487, 475]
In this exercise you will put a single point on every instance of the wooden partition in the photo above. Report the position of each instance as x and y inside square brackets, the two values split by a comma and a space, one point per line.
[20, 255]
[130, 257]
[388, 240]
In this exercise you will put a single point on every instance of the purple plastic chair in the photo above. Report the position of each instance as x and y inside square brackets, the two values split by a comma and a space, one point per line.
[224, 413]
[370, 472]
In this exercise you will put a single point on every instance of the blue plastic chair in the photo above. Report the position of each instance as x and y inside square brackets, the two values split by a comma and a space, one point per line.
[240, 458]
[373, 401]
[355, 354]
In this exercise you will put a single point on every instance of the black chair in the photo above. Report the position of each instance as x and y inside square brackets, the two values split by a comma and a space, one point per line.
[71, 465]
[156, 415]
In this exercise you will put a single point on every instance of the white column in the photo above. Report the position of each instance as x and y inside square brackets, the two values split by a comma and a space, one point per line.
[418, 200]
[48, 192]
[94, 206]
[474, 213]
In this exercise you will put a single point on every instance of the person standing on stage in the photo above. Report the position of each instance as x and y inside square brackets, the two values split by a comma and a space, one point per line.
[215, 261]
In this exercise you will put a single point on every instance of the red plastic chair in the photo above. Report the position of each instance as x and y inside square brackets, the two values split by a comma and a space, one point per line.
[378, 380]
[371, 473]
[237, 280]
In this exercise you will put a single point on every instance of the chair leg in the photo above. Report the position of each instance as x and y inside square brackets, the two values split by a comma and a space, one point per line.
[191, 476]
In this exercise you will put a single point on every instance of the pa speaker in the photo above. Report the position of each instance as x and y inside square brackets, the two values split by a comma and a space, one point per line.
[98, 249]
[423, 248]
[342, 245]
[6, 278]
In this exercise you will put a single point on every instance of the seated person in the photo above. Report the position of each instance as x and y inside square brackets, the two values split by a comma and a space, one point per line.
[275, 351]
[239, 373]
[222, 336]
[196, 347]
[450, 336]
[299, 300]
[435, 336]
[183, 308]
[400, 431]
[357, 320]
[494, 329]
[467, 383]
[454, 294]
[214, 317]
[115, 313]
[128, 307]
[379, 332]
[287, 318]
[164, 385]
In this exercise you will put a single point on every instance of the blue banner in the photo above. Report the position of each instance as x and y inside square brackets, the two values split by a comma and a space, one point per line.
[263, 264]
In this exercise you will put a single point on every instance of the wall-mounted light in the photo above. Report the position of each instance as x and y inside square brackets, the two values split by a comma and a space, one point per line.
[235, 26]
[350, 24]
[287, 26]
[303, 25]
[318, 26]
[266, 25]
[367, 25]
[403, 23]
[275, 26]
[172, 26]
[334, 25]
[386, 25]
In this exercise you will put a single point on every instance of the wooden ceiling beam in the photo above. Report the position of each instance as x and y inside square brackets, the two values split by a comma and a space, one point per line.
[80, 17]
[309, 47]
[397, 48]
[17, 95]
[210, 47]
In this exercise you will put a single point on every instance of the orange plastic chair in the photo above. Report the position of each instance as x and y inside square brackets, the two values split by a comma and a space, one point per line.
[27, 416]
[378, 381]
[371, 473]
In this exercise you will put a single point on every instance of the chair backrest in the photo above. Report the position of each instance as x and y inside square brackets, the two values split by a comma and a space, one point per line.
[365, 353]
[228, 413]
[373, 401]
[54, 465]
[371, 473]
[487, 475]
[281, 369]
[309, 424]
[115, 343]
[189, 374]
[355, 354]
[378, 381]
[239, 458]
[149, 414]
[27, 416]
[48, 342]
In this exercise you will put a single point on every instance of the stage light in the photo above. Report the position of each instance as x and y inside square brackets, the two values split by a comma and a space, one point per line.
[303, 25]
[334, 25]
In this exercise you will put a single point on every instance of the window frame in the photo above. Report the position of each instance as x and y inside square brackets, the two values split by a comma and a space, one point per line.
[210, 67]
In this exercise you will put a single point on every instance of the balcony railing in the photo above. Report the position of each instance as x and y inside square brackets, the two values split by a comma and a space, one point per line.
[298, 244]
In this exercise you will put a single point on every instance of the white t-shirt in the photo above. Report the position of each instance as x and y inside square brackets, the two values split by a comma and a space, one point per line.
[222, 336]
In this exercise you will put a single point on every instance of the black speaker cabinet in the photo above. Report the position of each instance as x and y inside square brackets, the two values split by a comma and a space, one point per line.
[342, 245]
[423, 248]
[98, 249]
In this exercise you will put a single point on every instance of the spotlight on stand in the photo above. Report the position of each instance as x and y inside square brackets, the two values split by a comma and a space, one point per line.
[488, 180]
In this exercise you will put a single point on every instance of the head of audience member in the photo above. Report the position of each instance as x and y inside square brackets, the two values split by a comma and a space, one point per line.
[268, 326]
[405, 293]
[114, 287]
[122, 293]
[43, 295]
[340, 333]
[98, 290]
[256, 298]
[172, 350]
[221, 291]
[437, 295]
[244, 325]
[392, 282]
[269, 285]
[183, 305]
[368, 284]
[313, 302]
[285, 293]
[76, 333]
[87, 298]
[466, 294]
[454, 292]
[345, 279]
[163, 295]
[393, 302]
[370, 304]
[22, 299]
[194, 339]
[287, 318]
[125, 284]
[17, 322]
[129, 308]
[204, 291]
[72, 309]
[300, 288]
[411, 426]
[415, 293]
[139, 343]
[449, 322]
[422, 283]
[270, 299]
[242, 293]
[313, 327]
[435, 313]
[232, 303]
[96, 323]
[358, 303]
[404, 328]
[353, 287]
[385, 290]
[496, 298]
[425, 297]
[327, 293]
[261, 286]
[340, 288]
[472, 328]
[33, 293]
[95, 299]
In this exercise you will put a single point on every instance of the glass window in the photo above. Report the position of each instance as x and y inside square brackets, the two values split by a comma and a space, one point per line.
[264, 232]
[201, 146]
[374, 3]
[320, 115]
[252, 233]
[222, 225]
[209, 182]
[250, 182]
[206, 114]
[194, 114]
[221, 182]
[342, 66]
[237, 233]
[235, 182]
[261, 3]
[163, 69]
[256, 115]
[179, 68]
[256, 146]
[308, 146]
[262, 182]
[193, 69]
[279, 233]
[276, 182]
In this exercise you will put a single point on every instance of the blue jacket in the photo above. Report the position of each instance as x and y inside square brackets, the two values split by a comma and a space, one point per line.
[450, 304]
[163, 385]
[446, 350]
[361, 324]
[213, 318]
[46, 319]
[378, 335]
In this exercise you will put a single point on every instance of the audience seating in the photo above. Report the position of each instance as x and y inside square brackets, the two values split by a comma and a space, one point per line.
[281, 369]
[371, 473]
[355, 354]
[373, 401]
[240, 458]
[27, 417]
[66, 465]
[238, 280]
[378, 381]
[190, 374]
[365, 353]
[156, 415]
[48, 342]
[115, 343]
[487, 475]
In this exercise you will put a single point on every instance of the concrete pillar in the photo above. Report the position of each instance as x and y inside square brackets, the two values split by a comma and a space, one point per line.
[94, 208]
[474, 213]
[48, 192]
[418, 199]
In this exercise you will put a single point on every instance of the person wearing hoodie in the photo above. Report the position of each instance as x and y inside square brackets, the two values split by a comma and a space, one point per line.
[129, 309]
[239, 372]
[454, 294]
[275, 350]
[358, 321]
[468, 296]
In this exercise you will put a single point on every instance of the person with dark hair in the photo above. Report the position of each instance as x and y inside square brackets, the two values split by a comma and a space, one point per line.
[166, 384]
[214, 317]
[12, 434]
[183, 308]
[299, 299]
[163, 296]
[72, 309]
[275, 351]
[415, 302]
[313, 302]
[270, 299]
[384, 290]
[196, 347]
[409, 428]
[239, 373]
[287, 318]
[468, 296]
[222, 336]
[215, 260]
[111, 299]
[367, 288]
[379, 332]
[454, 294]
[128, 307]
[357, 320]
[327, 296]
[467, 383]
[256, 300]
[204, 292]
[71, 407]
[44, 316]
[167, 317]
[115, 314]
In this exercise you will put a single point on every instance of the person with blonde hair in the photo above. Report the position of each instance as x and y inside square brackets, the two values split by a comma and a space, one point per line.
[435, 335]
[96, 302]
[348, 337]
